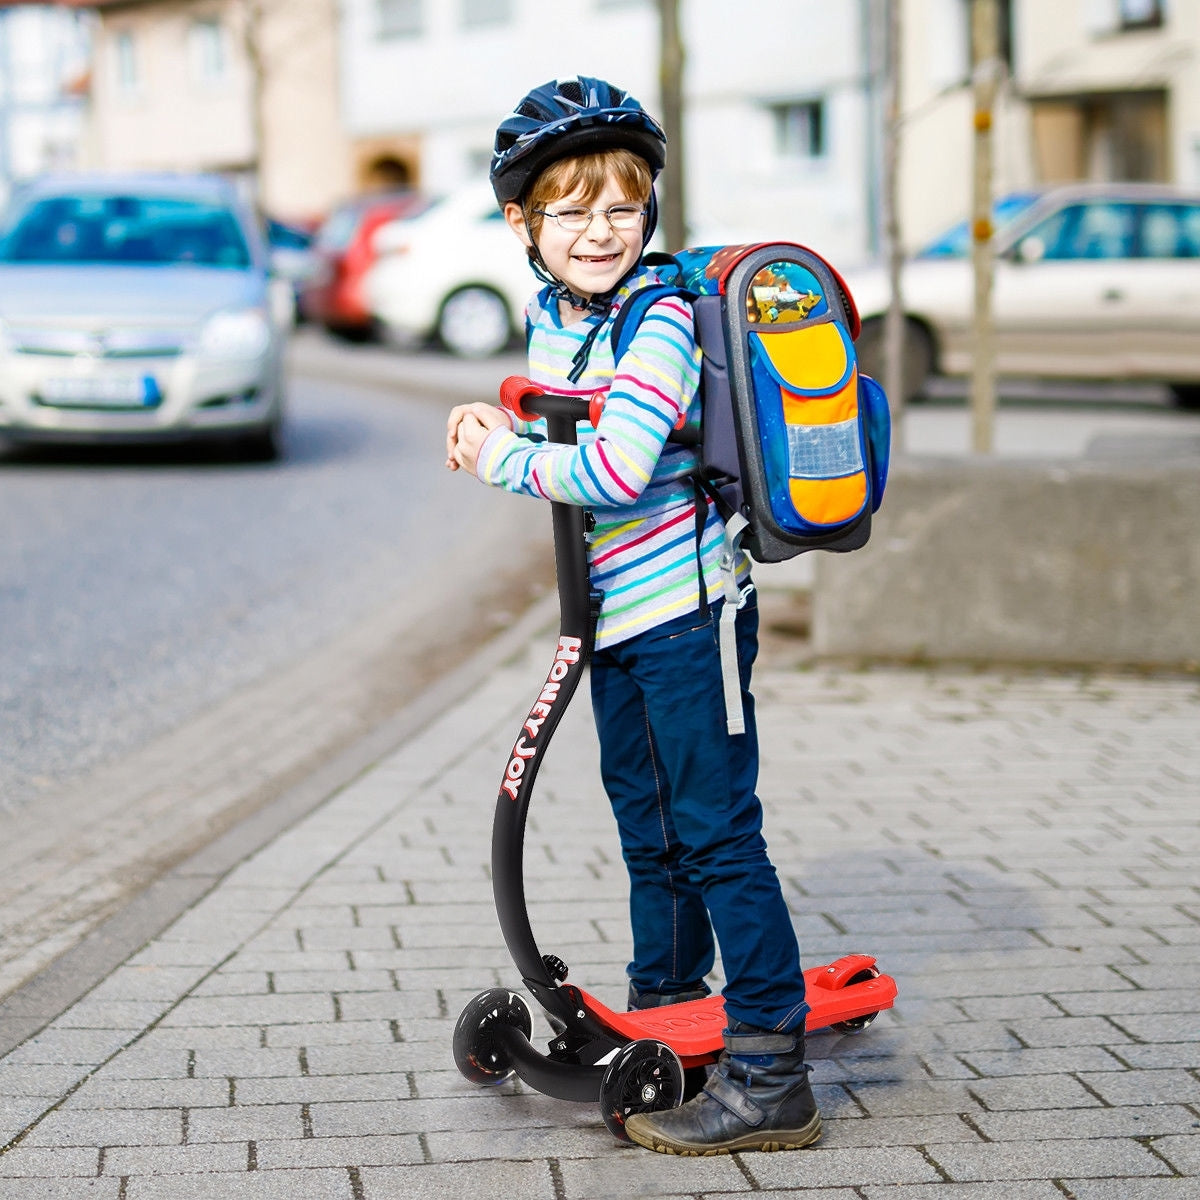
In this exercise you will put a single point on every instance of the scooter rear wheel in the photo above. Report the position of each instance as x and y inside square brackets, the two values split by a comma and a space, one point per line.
[645, 1076]
[856, 1025]
[477, 1054]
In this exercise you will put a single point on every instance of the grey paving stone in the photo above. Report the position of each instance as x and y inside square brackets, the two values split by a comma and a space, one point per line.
[437, 1181]
[317, 1089]
[916, 1098]
[61, 1046]
[1145, 1087]
[32, 1161]
[364, 1151]
[1129, 1122]
[176, 1160]
[88, 1127]
[823, 1166]
[245, 1123]
[331, 1033]
[42, 1080]
[1043, 1062]
[1132, 1189]
[1014, 1190]
[61, 1189]
[312, 1184]
[1046, 1159]
[1032, 1092]
[249, 1010]
[132, 1094]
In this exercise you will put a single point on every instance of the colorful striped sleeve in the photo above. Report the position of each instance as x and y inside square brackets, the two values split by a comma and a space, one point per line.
[654, 383]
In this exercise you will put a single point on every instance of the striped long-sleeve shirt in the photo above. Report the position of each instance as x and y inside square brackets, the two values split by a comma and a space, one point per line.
[643, 552]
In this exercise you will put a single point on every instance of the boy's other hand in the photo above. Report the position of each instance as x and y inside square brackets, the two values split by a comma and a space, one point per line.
[467, 427]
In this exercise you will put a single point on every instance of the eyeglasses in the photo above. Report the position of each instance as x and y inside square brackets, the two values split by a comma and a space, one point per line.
[576, 220]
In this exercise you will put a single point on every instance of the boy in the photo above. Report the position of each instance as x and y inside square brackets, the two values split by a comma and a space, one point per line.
[573, 171]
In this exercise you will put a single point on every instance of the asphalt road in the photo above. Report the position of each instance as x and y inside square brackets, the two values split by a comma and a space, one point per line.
[139, 588]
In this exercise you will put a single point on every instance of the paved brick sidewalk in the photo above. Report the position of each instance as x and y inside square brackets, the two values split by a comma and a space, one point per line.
[1020, 850]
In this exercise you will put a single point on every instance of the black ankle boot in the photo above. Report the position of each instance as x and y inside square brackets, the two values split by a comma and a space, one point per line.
[758, 1098]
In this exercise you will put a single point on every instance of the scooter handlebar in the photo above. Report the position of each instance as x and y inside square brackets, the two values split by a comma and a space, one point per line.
[528, 401]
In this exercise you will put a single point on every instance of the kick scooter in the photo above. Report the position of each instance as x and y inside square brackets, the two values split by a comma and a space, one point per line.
[628, 1061]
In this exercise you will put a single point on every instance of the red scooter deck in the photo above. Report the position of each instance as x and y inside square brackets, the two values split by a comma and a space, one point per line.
[693, 1029]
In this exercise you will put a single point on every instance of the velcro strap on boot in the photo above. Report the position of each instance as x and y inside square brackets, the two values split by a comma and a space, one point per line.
[729, 1095]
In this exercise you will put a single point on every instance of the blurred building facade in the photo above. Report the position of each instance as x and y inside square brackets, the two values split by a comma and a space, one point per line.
[43, 83]
[777, 102]
[244, 87]
[1092, 90]
[319, 99]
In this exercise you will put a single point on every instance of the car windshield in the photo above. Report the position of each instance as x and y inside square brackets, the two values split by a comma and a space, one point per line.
[956, 241]
[125, 230]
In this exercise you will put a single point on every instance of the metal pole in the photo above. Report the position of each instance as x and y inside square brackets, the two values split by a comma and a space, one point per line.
[984, 44]
[671, 56]
[893, 326]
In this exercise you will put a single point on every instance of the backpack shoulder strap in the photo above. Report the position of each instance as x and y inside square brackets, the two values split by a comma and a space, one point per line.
[630, 315]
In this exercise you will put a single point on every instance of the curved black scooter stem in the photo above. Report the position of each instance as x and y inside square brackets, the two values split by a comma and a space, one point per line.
[576, 629]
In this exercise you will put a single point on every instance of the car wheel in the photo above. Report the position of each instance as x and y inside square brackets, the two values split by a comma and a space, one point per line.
[917, 351]
[1186, 395]
[260, 445]
[474, 323]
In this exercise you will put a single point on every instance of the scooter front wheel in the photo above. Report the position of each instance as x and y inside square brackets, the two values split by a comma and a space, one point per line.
[477, 1053]
[645, 1076]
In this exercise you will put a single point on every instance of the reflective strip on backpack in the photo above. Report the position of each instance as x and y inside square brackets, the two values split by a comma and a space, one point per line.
[824, 451]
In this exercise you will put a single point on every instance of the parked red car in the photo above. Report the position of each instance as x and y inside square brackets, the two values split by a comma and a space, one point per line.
[333, 295]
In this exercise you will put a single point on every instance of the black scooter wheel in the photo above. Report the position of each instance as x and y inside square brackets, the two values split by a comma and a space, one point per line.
[645, 1076]
[856, 1025]
[477, 1054]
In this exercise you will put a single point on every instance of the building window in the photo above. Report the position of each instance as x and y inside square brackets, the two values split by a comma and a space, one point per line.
[206, 50]
[1113, 16]
[476, 13]
[799, 129]
[1140, 14]
[400, 18]
[125, 53]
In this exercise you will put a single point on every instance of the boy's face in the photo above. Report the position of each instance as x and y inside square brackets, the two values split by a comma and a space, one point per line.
[590, 262]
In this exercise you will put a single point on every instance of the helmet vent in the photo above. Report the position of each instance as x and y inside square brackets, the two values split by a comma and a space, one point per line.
[570, 90]
[536, 112]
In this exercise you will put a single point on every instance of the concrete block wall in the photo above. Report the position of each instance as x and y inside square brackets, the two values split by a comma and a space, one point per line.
[1022, 561]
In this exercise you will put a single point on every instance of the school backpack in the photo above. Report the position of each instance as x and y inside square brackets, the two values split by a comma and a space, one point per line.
[794, 440]
[793, 437]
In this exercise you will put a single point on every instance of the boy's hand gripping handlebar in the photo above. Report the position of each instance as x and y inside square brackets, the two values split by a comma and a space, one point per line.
[528, 401]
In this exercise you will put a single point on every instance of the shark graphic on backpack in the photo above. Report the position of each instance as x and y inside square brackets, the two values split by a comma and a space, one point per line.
[794, 440]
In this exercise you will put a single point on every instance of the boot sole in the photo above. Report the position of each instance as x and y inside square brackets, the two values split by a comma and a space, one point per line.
[769, 1139]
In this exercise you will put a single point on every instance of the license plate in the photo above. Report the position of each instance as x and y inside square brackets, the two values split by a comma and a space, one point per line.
[101, 391]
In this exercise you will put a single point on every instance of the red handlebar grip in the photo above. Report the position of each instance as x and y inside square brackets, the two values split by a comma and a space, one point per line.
[596, 407]
[516, 389]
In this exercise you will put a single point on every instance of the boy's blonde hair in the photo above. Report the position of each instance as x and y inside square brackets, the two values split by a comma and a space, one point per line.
[587, 175]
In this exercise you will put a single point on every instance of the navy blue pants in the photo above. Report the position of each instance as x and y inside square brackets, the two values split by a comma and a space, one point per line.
[683, 793]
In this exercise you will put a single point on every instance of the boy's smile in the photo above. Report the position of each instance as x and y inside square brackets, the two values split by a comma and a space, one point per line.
[593, 261]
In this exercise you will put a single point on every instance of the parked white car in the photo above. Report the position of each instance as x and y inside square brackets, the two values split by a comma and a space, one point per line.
[1092, 281]
[454, 273]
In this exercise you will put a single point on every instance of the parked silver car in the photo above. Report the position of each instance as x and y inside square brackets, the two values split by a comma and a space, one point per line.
[137, 308]
[1092, 281]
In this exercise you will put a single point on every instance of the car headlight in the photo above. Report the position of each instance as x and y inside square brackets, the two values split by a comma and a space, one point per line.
[241, 333]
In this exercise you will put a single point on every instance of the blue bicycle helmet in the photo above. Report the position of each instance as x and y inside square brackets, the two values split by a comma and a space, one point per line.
[568, 117]
[561, 119]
